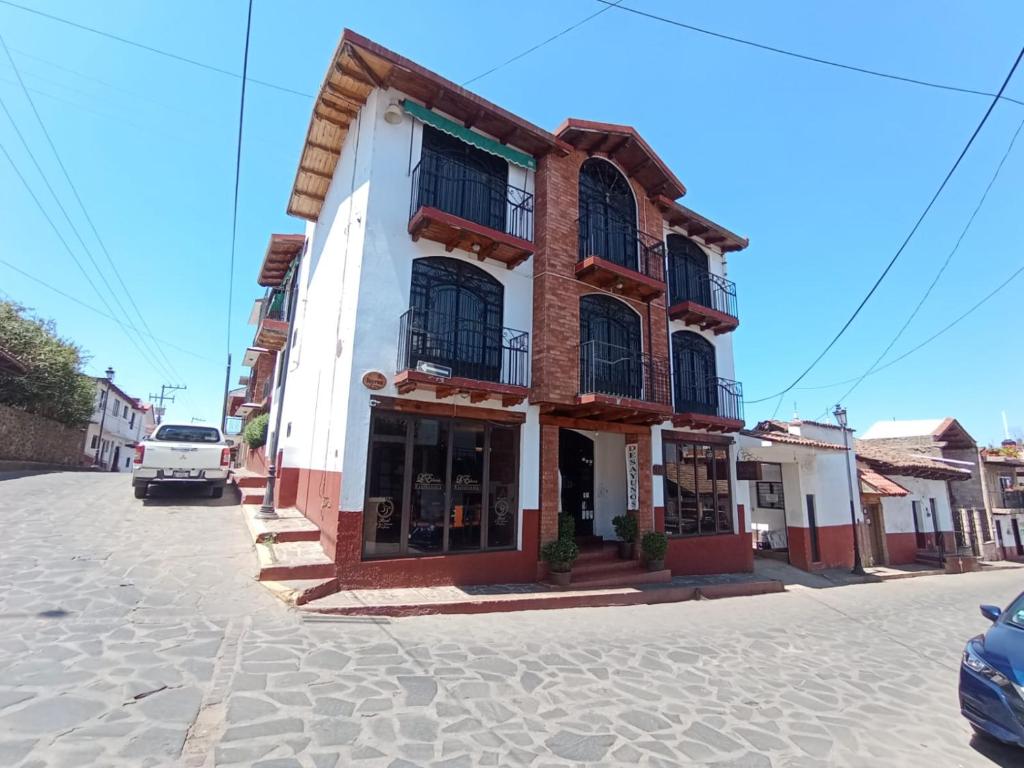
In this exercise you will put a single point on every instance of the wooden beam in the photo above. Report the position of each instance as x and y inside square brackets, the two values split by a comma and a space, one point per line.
[323, 148]
[478, 397]
[452, 410]
[328, 118]
[440, 393]
[321, 174]
[487, 250]
[365, 68]
[437, 95]
[621, 148]
[474, 118]
[452, 242]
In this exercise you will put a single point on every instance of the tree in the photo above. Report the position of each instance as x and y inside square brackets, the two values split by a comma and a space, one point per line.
[54, 386]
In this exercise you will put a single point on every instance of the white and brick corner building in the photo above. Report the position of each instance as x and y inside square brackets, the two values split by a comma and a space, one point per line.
[490, 324]
[124, 421]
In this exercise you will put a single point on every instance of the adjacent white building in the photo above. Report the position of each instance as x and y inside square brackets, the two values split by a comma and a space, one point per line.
[118, 422]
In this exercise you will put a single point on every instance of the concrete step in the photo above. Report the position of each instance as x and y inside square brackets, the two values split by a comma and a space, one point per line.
[302, 591]
[243, 478]
[604, 553]
[252, 495]
[293, 560]
[290, 525]
[633, 578]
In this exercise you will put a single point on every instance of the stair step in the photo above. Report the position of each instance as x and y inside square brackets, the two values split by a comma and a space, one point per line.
[289, 525]
[302, 591]
[252, 495]
[599, 567]
[250, 481]
[627, 579]
[291, 560]
[607, 552]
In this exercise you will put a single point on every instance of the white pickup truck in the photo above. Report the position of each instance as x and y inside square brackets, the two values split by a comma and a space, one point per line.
[178, 454]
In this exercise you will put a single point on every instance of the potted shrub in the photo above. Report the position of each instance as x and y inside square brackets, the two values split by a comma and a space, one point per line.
[560, 555]
[625, 529]
[654, 545]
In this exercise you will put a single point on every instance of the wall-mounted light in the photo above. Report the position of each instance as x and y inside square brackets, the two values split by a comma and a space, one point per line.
[393, 114]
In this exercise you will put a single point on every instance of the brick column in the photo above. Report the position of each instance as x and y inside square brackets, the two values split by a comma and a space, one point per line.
[548, 483]
[645, 514]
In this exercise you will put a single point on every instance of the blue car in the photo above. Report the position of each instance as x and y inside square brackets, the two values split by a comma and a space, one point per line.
[992, 675]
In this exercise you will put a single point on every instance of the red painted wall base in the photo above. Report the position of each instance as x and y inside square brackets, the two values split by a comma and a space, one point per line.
[902, 547]
[699, 555]
[835, 547]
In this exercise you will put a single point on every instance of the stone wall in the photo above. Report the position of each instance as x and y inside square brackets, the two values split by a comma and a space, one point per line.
[27, 437]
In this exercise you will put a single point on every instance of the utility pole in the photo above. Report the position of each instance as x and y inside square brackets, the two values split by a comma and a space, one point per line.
[224, 404]
[164, 388]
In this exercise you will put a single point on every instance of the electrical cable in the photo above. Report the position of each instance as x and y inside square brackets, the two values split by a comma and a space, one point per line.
[906, 240]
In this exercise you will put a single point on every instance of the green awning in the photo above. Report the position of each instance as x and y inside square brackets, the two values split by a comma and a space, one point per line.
[463, 133]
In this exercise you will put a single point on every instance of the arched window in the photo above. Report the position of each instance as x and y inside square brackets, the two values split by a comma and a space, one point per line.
[463, 180]
[687, 271]
[455, 313]
[611, 348]
[607, 224]
[694, 374]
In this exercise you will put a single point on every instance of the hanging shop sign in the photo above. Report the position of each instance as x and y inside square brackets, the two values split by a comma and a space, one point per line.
[632, 477]
[374, 380]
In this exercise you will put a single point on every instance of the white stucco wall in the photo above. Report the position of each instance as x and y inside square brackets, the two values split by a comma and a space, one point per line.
[354, 287]
[898, 510]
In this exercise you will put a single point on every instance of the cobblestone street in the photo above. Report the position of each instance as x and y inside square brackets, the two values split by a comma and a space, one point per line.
[133, 634]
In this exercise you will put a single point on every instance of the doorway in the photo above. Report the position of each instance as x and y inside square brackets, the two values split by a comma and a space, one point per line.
[1015, 527]
[576, 466]
[876, 525]
[919, 538]
[115, 464]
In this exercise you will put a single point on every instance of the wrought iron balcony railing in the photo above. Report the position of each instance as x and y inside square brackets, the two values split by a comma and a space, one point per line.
[607, 369]
[713, 396]
[452, 186]
[1013, 499]
[273, 305]
[621, 243]
[471, 349]
[688, 281]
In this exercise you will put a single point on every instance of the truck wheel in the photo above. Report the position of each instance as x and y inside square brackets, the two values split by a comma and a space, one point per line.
[217, 492]
[140, 491]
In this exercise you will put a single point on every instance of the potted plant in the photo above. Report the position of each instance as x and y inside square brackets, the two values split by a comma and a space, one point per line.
[625, 529]
[560, 554]
[654, 545]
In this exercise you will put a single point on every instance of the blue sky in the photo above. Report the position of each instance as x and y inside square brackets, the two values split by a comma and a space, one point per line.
[825, 170]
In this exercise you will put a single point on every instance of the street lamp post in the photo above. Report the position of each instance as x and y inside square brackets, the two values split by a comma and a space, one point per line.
[840, 414]
[103, 416]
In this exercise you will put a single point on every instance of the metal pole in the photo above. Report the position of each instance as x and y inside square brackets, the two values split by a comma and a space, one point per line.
[266, 510]
[858, 568]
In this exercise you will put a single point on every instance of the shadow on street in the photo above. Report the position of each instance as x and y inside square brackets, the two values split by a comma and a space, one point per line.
[185, 495]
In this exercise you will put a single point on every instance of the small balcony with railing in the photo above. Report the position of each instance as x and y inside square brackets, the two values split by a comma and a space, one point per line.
[456, 356]
[1012, 498]
[713, 404]
[700, 298]
[621, 384]
[272, 325]
[615, 255]
[464, 207]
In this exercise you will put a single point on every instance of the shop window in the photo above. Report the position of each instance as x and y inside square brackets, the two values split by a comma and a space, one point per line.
[429, 482]
[698, 501]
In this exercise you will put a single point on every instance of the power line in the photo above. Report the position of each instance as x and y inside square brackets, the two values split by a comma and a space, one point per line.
[907, 239]
[234, 213]
[146, 355]
[151, 49]
[942, 269]
[75, 258]
[554, 37]
[85, 211]
[804, 56]
[91, 308]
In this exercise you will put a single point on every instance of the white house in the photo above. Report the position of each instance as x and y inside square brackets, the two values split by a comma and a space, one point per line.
[124, 421]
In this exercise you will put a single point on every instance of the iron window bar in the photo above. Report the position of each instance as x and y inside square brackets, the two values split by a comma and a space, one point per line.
[472, 349]
[455, 187]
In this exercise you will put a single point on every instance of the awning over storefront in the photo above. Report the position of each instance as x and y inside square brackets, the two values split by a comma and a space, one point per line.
[462, 133]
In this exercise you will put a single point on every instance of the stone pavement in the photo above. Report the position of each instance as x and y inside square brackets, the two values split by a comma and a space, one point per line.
[134, 635]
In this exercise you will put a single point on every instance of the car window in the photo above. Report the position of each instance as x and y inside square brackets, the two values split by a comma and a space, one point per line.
[1015, 613]
[187, 434]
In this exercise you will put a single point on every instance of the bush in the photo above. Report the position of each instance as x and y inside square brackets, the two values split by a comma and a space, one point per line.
[654, 545]
[625, 527]
[566, 527]
[54, 386]
[560, 554]
[255, 432]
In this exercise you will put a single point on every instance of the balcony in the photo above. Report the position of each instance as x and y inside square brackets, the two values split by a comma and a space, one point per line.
[621, 384]
[1013, 499]
[714, 404]
[462, 207]
[700, 298]
[617, 256]
[455, 356]
[272, 327]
